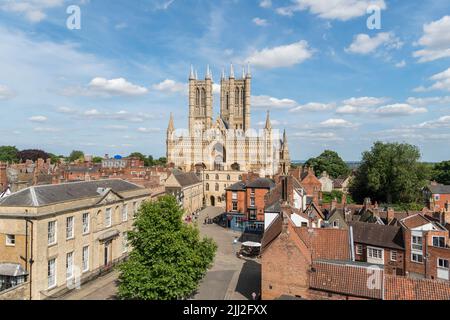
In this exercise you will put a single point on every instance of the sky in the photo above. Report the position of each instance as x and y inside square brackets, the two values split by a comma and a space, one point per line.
[336, 74]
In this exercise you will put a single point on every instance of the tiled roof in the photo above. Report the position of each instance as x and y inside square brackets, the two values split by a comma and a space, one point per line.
[238, 186]
[49, 194]
[345, 278]
[378, 235]
[330, 244]
[261, 183]
[414, 221]
[272, 232]
[439, 189]
[401, 288]
[186, 178]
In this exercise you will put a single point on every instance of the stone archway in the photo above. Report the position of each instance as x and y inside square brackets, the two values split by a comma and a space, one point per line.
[213, 201]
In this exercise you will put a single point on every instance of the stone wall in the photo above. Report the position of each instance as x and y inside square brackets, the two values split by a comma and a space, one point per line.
[20, 292]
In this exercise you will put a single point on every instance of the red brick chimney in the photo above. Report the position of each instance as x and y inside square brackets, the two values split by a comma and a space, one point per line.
[390, 214]
[3, 177]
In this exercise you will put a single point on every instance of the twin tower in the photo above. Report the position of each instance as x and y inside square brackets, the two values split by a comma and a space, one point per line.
[235, 95]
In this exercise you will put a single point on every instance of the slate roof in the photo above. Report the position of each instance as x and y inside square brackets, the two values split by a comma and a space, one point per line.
[12, 270]
[272, 232]
[238, 186]
[50, 194]
[186, 178]
[439, 189]
[261, 183]
[378, 235]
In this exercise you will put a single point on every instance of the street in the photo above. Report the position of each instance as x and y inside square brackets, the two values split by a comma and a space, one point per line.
[230, 278]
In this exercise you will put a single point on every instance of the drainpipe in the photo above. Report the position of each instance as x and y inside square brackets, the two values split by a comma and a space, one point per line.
[352, 245]
[31, 261]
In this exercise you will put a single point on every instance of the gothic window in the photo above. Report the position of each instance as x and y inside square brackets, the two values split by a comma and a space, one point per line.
[228, 177]
[203, 101]
[207, 177]
[217, 187]
[217, 177]
[228, 101]
[197, 97]
[236, 97]
[207, 187]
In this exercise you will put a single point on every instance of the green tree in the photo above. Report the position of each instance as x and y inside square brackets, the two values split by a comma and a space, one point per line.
[76, 155]
[8, 154]
[329, 161]
[441, 172]
[150, 161]
[161, 161]
[97, 159]
[390, 173]
[54, 158]
[168, 258]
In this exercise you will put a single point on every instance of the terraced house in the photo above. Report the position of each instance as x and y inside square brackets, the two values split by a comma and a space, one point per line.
[55, 237]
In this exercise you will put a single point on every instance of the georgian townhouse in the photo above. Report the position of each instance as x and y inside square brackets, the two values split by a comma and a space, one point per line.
[379, 245]
[427, 251]
[61, 235]
[187, 188]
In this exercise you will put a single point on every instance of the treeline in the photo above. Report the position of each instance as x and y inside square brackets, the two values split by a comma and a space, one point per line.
[11, 154]
[389, 173]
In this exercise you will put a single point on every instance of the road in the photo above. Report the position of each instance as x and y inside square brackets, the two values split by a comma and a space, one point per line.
[230, 278]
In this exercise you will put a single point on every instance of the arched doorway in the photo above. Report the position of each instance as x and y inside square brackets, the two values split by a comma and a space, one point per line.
[213, 201]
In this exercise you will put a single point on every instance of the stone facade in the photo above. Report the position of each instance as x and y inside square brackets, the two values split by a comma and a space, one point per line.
[227, 145]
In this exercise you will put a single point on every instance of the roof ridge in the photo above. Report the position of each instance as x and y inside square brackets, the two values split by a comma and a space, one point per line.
[34, 197]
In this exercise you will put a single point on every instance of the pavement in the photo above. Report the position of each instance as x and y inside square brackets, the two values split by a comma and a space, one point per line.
[230, 278]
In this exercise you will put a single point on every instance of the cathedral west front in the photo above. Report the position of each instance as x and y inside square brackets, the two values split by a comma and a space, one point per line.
[222, 149]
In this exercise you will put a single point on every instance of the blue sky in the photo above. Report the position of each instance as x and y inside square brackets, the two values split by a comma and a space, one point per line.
[327, 78]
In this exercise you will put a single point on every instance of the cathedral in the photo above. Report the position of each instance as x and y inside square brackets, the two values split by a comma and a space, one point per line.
[226, 145]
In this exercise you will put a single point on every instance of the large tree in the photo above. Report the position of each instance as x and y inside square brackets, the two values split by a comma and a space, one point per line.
[390, 172]
[330, 162]
[33, 155]
[8, 154]
[441, 172]
[168, 258]
[76, 155]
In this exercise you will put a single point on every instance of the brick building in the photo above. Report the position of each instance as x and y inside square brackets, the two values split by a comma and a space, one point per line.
[246, 204]
[437, 197]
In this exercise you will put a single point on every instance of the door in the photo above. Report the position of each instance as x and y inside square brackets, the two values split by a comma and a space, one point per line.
[213, 201]
[107, 253]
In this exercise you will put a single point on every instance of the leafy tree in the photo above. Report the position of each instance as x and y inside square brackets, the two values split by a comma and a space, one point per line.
[168, 258]
[137, 155]
[390, 173]
[150, 161]
[330, 162]
[441, 172]
[76, 155]
[54, 158]
[97, 159]
[161, 161]
[327, 197]
[8, 154]
[32, 154]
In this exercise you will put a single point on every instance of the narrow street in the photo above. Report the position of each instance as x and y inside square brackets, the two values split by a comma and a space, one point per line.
[230, 278]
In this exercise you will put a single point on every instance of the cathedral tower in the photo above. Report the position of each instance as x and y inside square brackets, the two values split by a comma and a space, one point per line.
[200, 102]
[235, 99]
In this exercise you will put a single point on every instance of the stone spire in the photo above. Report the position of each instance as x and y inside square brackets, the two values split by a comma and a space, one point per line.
[268, 123]
[284, 138]
[223, 73]
[249, 74]
[243, 72]
[192, 75]
[208, 72]
[231, 71]
[171, 126]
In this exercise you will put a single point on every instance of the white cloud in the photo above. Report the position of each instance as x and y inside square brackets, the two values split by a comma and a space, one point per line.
[265, 3]
[171, 86]
[65, 110]
[332, 9]
[272, 103]
[164, 4]
[38, 119]
[348, 109]
[441, 82]
[400, 64]
[273, 122]
[442, 122]
[95, 114]
[33, 10]
[46, 129]
[6, 93]
[282, 56]
[149, 130]
[365, 101]
[260, 22]
[337, 123]
[318, 136]
[119, 86]
[314, 107]
[364, 44]
[399, 109]
[435, 40]
[423, 102]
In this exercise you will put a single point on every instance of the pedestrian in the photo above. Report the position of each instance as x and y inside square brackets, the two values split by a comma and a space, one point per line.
[254, 295]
